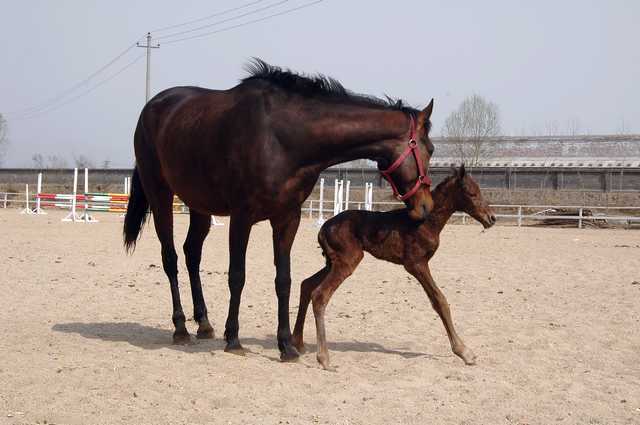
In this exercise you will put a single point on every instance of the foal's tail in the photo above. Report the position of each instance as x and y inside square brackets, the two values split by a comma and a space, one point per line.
[136, 213]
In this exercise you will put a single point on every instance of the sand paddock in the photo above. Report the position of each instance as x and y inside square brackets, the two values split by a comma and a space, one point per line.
[553, 315]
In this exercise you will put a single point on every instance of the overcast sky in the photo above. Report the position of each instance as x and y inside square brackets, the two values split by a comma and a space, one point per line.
[539, 61]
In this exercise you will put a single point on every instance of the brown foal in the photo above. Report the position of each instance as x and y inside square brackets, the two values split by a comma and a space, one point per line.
[394, 237]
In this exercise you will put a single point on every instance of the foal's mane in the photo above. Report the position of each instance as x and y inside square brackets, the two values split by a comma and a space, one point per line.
[314, 86]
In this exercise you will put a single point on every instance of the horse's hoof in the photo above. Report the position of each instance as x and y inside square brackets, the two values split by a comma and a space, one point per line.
[289, 354]
[205, 331]
[234, 347]
[298, 344]
[181, 338]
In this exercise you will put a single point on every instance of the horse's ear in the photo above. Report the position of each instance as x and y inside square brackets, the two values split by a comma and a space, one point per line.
[425, 114]
[462, 171]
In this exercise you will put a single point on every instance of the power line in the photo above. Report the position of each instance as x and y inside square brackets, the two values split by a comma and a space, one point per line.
[264, 18]
[261, 9]
[47, 103]
[224, 12]
[82, 94]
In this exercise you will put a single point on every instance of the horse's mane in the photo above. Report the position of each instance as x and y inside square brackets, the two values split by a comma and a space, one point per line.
[318, 86]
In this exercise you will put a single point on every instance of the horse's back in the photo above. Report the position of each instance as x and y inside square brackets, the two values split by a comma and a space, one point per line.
[195, 140]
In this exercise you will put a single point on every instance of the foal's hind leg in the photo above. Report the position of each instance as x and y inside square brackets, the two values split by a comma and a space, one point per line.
[306, 288]
[161, 205]
[339, 271]
[199, 225]
[441, 306]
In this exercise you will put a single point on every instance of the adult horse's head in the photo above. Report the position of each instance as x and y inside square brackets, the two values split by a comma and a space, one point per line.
[406, 170]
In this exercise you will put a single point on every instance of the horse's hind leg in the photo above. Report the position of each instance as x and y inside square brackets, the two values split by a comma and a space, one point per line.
[306, 288]
[162, 207]
[441, 306]
[199, 225]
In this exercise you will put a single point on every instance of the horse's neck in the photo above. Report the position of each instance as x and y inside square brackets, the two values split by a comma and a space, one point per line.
[347, 133]
[443, 209]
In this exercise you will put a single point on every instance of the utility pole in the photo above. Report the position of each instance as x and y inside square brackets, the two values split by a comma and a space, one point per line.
[148, 46]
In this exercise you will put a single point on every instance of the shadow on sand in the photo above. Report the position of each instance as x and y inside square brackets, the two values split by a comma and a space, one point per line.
[150, 338]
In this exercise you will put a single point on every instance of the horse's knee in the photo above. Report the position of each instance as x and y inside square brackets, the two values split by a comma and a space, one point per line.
[283, 286]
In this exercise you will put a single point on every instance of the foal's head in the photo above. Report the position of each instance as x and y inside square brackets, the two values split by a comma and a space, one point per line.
[466, 197]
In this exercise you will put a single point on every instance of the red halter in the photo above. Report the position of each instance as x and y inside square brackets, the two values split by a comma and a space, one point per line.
[412, 148]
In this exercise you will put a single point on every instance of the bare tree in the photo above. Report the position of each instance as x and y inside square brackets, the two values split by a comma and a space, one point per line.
[38, 161]
[54, 161]
[4, 139]
[471, 126]
[552, 128]
[83, 162]
[573, 126]
[51, 161]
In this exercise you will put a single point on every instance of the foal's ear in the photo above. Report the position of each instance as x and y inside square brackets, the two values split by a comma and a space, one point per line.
[425, 114]
[462, 172]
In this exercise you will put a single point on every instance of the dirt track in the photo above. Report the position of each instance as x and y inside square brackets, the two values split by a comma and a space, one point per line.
[552, 314]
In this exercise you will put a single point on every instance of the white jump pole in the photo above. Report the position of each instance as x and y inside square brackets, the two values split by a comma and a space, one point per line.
[340, 196]
[72, 216]
[335, 197]
[346, 196]
[368, 196]
[321, 203]
[39, 210]
[320, 221]
[26, 209]
[86, 217]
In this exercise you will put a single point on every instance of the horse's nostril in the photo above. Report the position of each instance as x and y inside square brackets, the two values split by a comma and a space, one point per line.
[493, 218]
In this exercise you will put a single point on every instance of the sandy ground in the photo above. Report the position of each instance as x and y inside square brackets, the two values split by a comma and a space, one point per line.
[553, 315]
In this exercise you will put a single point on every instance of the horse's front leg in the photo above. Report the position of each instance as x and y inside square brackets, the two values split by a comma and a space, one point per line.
[441, 306]
[284, 232]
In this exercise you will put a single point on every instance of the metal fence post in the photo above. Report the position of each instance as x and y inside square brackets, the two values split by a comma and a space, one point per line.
[310, 209]
[520, 216]
[580, 218]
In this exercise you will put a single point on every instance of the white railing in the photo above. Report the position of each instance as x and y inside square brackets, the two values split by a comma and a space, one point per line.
[626, 216]
[518, 214]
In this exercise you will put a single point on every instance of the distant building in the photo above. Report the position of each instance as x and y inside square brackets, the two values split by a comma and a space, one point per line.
[575, 151]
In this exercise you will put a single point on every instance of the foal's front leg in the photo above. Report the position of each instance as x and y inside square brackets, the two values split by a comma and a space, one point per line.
[284, 232]
[441, 306]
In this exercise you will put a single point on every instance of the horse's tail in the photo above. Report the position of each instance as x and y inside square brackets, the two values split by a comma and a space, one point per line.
[136, 216]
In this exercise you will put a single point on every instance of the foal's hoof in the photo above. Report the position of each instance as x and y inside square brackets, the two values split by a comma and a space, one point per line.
[234, 347]
[205, 331]
[289, 354]
[181, 337]
[467, 356]
[324, 362]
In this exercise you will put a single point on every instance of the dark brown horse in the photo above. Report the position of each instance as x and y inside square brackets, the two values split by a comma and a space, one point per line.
[255, 152]
[394, 237]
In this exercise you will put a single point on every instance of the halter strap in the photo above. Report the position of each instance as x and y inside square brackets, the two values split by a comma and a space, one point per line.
[412, 148]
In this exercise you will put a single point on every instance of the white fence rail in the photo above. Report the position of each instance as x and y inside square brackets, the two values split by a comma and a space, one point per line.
[518, 214]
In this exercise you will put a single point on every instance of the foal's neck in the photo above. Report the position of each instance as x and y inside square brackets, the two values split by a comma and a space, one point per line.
[444, 207]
